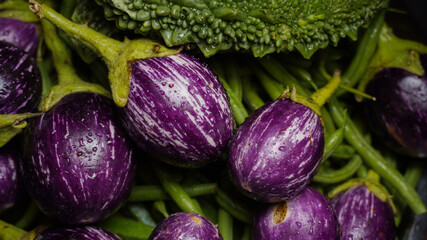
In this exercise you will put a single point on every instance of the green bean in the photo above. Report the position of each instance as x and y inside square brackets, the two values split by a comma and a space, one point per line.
[301, 73]
[412, 175]
[29, 216]
[336, 176]
[281, 75]
[375, 160]
[225, 224]
[362, 172]
[250, 97]
[328, 122]
[233, 78]
[155, 192]
[364, 53]
[126, 228]
[233, 207]
[332, 141]
[160, 207]
[246, 233]
[344, 151]
[175, 190]
[273, 88]
[140, 212]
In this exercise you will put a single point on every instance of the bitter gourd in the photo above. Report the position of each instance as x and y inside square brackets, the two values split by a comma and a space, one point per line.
[260, 26]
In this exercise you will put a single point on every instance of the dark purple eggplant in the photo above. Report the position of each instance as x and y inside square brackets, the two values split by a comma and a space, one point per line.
[308, 216]
[185, 225]
[177, 109]
[79, 164]
[76, 233]
[12, 189]
[362, 215]
[276, 151]
[399, 114]
[21, 34]
[20, 81]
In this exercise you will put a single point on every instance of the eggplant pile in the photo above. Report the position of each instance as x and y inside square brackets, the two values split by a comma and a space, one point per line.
[168, 144]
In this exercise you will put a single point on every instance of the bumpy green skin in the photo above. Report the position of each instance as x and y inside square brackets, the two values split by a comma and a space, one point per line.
[260, 26]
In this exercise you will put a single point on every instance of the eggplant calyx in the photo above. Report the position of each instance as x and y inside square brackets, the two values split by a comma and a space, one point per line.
[372, 183]
[394, 52]
[117, 55]
[294, 97]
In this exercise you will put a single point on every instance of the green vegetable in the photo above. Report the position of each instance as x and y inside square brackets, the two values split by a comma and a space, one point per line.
[259, 26]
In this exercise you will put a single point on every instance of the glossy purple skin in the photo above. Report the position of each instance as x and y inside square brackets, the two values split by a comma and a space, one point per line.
[21, 34]
[399, 115]
[11, 186]
[185, 225]
[362, 215]
[79, 164]
[308, 216]
[276, 151]
[20, 81]
[76, 233]
[178, 111]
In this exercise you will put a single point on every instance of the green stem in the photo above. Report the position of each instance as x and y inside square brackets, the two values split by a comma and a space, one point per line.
[273, 88]
[332, 141]
[10, 232]
[342, 174]
[176, 192]
[225, 224]
[328, 122]
[364, 53]
[375, 160]
[154, 192]
[29, 216]
[233, 207]
[324, 93]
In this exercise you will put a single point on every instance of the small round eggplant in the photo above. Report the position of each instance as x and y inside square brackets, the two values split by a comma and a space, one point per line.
[308, 216]
[399, 114]
[276, 151]
[362, 215]
[20, 81]
[76, 233]
[11, 186]
[178, 110]
[23, 35]
[79, 164]
[185, 225]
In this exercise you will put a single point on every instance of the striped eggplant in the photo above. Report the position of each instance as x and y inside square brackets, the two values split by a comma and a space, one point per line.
[12, 189]
[276, 151]
[78, 163]
[308, 216]
[399, 115]
[20, 81]
[24, 35]
[178, 110]
[74, 233]
[362, 215]
[185, 225]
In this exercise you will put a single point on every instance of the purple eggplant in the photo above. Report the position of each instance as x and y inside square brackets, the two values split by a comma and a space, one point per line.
[276, 151]
[185, 225]
[12, 189]
[79, 164]
[20, 81]
[21, 34]
[178, 110]
[399, 115]
[308, 216]
[362, 215]
[76, 233]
